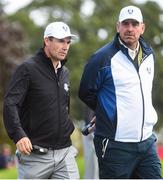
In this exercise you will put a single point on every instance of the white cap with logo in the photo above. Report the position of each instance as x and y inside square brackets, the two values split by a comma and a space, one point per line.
[58, 30]
[130, 12]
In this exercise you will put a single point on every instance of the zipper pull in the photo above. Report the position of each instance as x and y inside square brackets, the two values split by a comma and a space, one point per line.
[104, 146]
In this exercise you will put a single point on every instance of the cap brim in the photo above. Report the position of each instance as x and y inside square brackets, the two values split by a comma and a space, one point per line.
[75, 37]
[130, 19]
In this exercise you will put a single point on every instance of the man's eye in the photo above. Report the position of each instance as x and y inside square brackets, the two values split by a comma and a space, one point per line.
[64, 41]
[125, 23]
[135, 24]
[132, 23]
[61, 40]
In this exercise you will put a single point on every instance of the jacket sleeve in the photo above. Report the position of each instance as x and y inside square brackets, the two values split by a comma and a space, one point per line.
[13, 101]
[88, 115]
[88, 84]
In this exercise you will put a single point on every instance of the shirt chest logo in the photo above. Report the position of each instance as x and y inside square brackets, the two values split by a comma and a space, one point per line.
[149, 70]
[66, 87]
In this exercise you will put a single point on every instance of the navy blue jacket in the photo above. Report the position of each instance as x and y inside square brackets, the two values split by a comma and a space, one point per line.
[119, 93]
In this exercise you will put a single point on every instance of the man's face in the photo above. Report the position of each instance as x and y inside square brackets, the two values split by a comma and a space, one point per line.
[57, 49]
[130, 31]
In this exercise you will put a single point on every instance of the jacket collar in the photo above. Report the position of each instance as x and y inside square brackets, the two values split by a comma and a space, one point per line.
[145, 47]
[47, 60]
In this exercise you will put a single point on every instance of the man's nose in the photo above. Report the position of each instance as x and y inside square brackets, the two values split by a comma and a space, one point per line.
[130, 27]
[65, 46]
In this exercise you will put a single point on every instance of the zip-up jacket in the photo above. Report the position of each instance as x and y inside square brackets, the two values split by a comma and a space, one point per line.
[36, 104]
[119, 93]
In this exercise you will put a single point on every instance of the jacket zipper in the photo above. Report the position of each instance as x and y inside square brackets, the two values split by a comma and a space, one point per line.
[142, 100]
[58, 100]
[143, 107]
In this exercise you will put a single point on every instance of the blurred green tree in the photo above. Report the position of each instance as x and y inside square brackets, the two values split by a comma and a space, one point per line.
[95, 23]
[12, 52]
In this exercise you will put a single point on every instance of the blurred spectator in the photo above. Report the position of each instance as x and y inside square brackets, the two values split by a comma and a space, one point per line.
[160, 151]
[7, 160]
[160, 143]
[90, 158]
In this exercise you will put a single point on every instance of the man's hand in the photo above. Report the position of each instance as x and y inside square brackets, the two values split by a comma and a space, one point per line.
[92, 128]
[24, 145]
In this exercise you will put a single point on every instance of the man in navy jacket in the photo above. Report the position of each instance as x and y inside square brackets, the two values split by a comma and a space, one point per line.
[117, 85]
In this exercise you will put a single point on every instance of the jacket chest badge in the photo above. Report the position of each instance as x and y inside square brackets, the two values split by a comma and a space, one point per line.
[149, 70]
[66, 87]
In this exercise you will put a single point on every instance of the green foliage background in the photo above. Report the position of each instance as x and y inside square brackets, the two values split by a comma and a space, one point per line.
[24, 37]
[12, 173]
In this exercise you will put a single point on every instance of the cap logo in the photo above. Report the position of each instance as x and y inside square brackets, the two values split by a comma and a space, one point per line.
[65, 28]
[130, 11]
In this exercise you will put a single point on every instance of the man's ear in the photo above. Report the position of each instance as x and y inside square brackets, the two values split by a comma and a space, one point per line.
[143, 28]
[117, 26]
[46, 41]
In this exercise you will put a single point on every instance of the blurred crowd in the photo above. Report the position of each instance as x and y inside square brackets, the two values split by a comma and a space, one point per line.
[7, 159]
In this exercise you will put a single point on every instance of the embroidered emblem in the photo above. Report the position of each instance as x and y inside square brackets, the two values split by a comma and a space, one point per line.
[65, 28]
[130, 11]
[149, 70]
[66, 87]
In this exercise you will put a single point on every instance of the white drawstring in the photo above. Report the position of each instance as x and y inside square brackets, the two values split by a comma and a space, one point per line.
[104, 146]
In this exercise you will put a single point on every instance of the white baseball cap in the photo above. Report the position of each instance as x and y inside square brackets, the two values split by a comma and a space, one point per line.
[58, 30]
[130, 12]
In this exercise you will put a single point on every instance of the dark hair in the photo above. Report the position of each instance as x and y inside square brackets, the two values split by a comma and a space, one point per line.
[50, 39]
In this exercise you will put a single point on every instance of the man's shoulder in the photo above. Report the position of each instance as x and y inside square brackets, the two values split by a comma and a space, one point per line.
[104, 54]
[107, 50]
[25, 65]
[29, 62]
